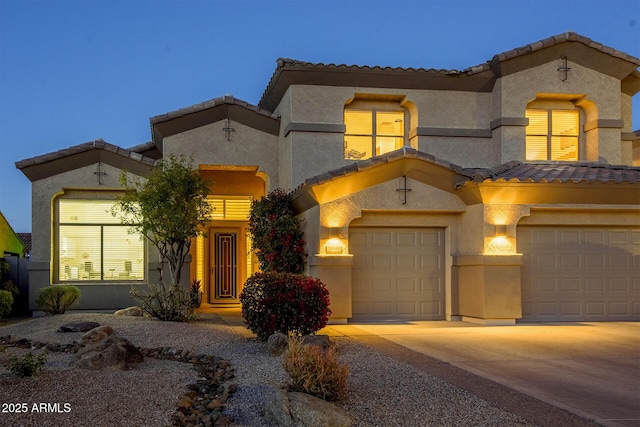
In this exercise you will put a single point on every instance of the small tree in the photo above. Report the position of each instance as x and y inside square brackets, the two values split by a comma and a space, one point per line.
[277, 234]
[170, 208]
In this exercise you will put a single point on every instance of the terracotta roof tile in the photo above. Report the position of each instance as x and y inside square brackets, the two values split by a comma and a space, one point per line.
[559, 172]
[81, 148]
[226, 99]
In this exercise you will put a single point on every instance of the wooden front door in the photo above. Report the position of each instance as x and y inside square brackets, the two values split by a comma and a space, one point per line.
[225, 265]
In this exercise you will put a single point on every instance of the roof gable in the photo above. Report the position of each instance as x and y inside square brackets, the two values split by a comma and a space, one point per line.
[479, 78]
[50, 164]
[212, 111]
[358, 176]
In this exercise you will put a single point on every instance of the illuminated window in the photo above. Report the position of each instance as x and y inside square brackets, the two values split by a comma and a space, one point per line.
[230, 208]
[372, 132]
[92, 245]
[552, 135]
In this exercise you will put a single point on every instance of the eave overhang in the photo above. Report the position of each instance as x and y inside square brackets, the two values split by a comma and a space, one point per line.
[480, 78]
[212, 111]
[359, 176]
[549, 193]
[55, 163]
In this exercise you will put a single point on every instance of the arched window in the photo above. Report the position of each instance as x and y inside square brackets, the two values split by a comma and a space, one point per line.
[373, 129]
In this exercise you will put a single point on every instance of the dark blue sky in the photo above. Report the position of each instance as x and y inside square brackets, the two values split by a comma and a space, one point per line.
[74, 71]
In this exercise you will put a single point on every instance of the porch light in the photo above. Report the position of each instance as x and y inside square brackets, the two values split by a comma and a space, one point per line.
[500, 230]
[334, 246]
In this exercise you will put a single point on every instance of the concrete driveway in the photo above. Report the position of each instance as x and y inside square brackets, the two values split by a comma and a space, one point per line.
[589, 369]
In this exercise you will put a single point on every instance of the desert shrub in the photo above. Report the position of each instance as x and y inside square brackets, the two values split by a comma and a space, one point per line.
[57, 299]
[276, 233]
[284, 302]
[28, 365]
[166, 302]
[6, 302]
[315, 371]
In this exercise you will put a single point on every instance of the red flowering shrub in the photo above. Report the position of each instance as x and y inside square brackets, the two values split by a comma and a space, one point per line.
[276, 233]
[284, 302]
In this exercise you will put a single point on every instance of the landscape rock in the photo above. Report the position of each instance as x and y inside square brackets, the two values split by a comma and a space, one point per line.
[96, 335]
[129, 311]
[318, 340]
[277, 408]
[78, 327]
[293, 409]
[310, 411]
[277, 343]
[113, 352]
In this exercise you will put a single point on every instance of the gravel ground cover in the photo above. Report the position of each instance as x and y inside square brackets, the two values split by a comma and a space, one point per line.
[381, 390]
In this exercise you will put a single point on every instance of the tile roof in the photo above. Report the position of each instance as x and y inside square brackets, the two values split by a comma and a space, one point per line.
[480, 68]
[403, 153]
[226, 99]
[558, 172]
[25, 239]
[514, 171]
[81, 148]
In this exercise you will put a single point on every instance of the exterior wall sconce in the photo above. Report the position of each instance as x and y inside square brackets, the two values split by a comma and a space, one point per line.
[500, 230]
[334, 245]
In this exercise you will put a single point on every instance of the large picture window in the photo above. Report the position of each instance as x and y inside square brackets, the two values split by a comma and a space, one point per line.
[552, 135]
[93, 245]
[372, 133]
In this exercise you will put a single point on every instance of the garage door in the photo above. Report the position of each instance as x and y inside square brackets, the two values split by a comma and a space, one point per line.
[398, 273]
[580, 274]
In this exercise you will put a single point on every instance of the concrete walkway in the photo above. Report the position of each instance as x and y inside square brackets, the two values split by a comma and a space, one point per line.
[589, 369]
[552, 374]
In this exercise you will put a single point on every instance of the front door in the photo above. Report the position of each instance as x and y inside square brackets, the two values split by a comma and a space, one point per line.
[225, 265]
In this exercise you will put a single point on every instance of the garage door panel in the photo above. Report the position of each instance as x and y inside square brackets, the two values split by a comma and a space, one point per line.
[570, 284]
[382, 239]
[589, 273]
[403, 279]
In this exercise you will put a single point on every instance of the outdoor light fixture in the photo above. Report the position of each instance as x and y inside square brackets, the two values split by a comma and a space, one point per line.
[500, 230]
[334, 244]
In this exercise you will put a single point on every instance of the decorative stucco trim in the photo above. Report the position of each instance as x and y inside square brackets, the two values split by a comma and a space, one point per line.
[509, 121]
[314, 127]
[451, 132]
[604, 123]
[630, 136]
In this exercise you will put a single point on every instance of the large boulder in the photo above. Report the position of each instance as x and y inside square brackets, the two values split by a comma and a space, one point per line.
[96, 335]
[113, 352]
[295, 409]
[78, 326]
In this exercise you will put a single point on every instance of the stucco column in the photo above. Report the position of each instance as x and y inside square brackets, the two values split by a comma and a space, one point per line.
[335, 272]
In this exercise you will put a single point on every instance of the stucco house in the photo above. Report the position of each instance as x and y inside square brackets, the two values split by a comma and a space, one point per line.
[506, 191]
[10, 243]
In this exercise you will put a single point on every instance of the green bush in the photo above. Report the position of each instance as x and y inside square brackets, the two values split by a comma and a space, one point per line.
[57, 299]
[284, 302]
[28, 365]
[6, 302]
[315, 371]
[166, 302]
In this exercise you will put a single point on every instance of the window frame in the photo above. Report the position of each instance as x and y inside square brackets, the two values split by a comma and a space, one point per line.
[550, 134]
[374, 135]
[103, 276]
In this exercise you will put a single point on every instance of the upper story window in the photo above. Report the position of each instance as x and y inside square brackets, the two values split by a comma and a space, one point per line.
[372, 132]
[552, 134]
[92, 244]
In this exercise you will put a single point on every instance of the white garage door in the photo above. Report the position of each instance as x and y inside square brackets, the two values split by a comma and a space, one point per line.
[580, 274]
[398, 273]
